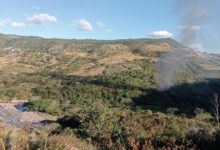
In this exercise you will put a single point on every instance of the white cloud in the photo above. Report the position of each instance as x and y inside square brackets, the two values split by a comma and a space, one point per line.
[84, 25]
[42, 18]
[161, 34]
[18, 24]
[189, 27]
[100, 24]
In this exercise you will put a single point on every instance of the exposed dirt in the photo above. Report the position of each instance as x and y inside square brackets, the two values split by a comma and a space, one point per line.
[17, 115]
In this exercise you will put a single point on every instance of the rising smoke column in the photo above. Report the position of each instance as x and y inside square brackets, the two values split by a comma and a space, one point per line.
[171, 62]
[192, 15]
[165, 68]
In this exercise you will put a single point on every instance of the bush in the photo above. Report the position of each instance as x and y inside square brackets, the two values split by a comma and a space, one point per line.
[45, 106]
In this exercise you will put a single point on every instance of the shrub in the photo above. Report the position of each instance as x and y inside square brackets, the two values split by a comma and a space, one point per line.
[46, 106]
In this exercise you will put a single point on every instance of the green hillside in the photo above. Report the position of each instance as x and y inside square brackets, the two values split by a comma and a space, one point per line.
[110, 93]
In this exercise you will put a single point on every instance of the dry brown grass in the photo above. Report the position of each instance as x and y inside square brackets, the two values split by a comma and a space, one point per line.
[119, 58]
[110, 55]
[109, 49]
[210, 67]
[9, 59]
[25, 139]
[161, 47]
[89, 72]
[114, 47]
[75, 53]
[158, 47]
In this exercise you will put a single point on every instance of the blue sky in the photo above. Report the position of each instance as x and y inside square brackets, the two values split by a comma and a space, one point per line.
[117, 18]
[85, 19]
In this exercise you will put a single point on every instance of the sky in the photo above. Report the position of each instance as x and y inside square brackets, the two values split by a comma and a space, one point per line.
[92, 19]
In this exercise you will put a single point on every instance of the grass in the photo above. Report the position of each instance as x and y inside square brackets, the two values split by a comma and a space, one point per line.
[41, 139]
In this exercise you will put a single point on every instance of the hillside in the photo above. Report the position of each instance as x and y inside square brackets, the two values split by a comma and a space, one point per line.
[131, 94]
[32, 63]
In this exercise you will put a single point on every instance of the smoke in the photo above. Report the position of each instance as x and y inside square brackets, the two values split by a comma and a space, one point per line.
[165, 68]
[199, 30]
[192, 15]
[194, 32]
[196, 20]
[171, 62]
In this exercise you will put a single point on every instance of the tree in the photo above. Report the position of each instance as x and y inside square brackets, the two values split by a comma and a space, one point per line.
[215, 102]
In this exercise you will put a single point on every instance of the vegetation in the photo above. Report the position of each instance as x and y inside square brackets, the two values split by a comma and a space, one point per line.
[45, 106]
[40, 139]
[105, 92]
[113, 128]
